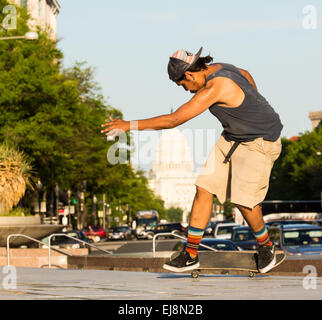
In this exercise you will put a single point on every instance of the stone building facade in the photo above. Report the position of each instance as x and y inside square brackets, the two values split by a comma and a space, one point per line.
[316, 118]
[43, 13]
[172, 176]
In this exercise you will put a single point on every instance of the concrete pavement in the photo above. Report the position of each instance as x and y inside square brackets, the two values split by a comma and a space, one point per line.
[54, 284]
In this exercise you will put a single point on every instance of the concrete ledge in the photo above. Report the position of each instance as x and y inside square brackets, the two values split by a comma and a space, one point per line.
[287, 268]
[117, 263]
[38, 258]
[297, 266]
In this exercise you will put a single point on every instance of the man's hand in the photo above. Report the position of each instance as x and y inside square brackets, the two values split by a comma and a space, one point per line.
[115, 126]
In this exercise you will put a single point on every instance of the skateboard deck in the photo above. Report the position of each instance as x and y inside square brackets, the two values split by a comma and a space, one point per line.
[232, 260]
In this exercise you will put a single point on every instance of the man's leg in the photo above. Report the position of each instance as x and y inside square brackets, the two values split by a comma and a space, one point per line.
[254, 218]
[266, 249]
[200, 215]
[201, 208]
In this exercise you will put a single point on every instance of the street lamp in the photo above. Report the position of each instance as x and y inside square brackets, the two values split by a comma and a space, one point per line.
[39, 187]
[28, 36]
[69, 193]
[127, 210]
[81, 219]
[94, 210]
[57, 198]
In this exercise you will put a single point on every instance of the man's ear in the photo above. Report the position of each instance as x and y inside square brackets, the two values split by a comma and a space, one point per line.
[189, 75]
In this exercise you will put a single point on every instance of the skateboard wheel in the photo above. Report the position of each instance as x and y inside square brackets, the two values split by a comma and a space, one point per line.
[195, 274]
[251, 274]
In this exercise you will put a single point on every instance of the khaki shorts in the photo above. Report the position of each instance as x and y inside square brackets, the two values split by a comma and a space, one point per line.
[245, 178]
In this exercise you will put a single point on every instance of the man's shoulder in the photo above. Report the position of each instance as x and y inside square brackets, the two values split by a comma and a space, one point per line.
[219, 81]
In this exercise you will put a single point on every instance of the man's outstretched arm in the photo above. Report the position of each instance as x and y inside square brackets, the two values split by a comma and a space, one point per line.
[200, 102]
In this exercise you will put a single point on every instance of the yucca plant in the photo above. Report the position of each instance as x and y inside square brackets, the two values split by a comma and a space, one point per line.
[15, 176]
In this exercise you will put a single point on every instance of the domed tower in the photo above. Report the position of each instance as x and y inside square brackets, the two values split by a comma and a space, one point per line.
[172, 176]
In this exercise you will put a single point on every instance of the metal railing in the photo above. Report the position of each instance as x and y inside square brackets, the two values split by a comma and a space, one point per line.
[67, 236]
[30, 238]
[177, 236]
[49, 245]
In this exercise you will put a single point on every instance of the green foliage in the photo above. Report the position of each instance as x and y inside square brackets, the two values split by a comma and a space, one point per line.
[174, 214]
[54, 116]
[227, 208]
[18, 212]
[296, 175]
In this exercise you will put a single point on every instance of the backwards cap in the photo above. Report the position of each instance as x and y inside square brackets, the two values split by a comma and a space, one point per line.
[180, 62]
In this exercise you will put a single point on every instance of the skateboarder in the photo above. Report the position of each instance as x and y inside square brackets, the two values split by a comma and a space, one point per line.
[239, 166]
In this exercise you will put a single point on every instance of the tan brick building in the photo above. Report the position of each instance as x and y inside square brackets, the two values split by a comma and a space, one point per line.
[43, 13]
[315, 117]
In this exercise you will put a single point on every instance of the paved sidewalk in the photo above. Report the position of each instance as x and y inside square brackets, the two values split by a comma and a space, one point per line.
[52, 284]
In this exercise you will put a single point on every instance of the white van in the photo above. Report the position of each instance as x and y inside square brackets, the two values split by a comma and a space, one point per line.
[224, 230]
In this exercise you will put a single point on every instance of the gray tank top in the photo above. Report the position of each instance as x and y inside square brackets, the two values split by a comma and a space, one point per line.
[254, 118]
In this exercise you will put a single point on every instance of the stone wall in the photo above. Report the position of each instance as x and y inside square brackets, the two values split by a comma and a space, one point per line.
[38, 258]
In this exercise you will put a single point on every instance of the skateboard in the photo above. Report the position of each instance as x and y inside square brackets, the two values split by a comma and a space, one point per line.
[232, 260]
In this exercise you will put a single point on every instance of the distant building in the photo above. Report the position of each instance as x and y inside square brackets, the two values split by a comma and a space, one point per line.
[316, 118]
[294, 138]
[172, 176]
[43, 13]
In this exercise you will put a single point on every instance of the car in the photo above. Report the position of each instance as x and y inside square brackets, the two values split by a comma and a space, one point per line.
[298, 239]
[97, 233]
[243, 237]
[224, 230]
[287, 222]
[172, 227]
[218, 244]
[61, 241]
[210, 228]
[120, 233]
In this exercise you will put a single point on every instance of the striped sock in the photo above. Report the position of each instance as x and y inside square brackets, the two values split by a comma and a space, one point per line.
[262, 237]
[194, 238]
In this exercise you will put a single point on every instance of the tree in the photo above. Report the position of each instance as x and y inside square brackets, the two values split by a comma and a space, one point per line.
[304, 164]
[15, 175]
[296, 175]
[54, 115]
[174, 214]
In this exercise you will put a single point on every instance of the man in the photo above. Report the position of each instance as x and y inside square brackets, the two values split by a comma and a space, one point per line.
[240, 163]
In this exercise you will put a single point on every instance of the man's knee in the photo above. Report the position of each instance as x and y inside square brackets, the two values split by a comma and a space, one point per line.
[243, 209]
[203, 193]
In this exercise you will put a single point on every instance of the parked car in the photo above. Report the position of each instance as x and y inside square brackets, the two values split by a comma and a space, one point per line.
[120, 233]
[68, 243]
[209, 230]
[173, 227]
[287, 222]
[224, 230]
[298, 239]
[243, 237]
[218, 244]
[96, 233]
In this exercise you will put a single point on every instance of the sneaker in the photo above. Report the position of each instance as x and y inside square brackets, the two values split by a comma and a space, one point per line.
[266, 258]
[183, 262]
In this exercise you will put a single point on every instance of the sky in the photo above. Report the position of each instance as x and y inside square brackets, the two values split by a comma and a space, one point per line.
[128, 43]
